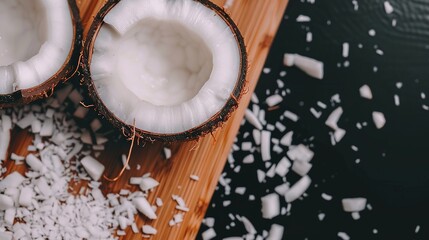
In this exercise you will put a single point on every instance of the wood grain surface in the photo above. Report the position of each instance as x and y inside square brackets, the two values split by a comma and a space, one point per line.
[258, 21]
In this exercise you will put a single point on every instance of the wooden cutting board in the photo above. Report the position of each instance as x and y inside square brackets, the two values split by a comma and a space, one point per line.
[258, 21]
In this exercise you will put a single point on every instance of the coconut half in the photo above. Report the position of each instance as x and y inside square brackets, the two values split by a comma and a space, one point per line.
[39, 46]
[175, 69]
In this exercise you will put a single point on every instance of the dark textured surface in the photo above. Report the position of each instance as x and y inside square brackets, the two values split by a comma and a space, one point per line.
[393, 172]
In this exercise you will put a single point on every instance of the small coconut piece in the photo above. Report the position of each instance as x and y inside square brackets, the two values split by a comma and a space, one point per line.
[346, 48]
[34, 163]
[93, 167]
[333, 118]
[276, 232]
[149, 230]
[270, 206]
[388, 7]
[379, 119]
[301, 167]
[190, 92]
[365, 92]
[303, 18]
[37, 56]
[274, 100]
[353, 204]
[282, 167]
[311, 67]
[148, 183]
[343, 236]
[300, 153]
[286, 140]
[194, 177]
[6, 202]
[253, 119]
[208, 234]
[26, 196]
[266, 145]
[290, 115]
[4, 143]
[143, 206]
[6, 235]
[9, 216]
[248, 159]
[298, 189]
[247, 225]
[12, 180]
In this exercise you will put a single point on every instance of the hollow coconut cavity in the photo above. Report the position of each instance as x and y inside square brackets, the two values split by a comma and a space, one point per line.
[37, 42]
[174, 69]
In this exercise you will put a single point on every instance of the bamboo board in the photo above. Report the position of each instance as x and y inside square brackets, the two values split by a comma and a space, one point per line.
[258, 21]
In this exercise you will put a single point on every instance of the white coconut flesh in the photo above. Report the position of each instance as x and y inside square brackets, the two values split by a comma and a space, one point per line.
[35, 40]
[169, 66]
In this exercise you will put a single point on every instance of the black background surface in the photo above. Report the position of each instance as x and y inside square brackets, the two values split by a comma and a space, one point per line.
[393, 172]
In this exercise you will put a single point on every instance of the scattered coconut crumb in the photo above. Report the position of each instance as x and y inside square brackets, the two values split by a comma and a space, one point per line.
[311, 67]
[194, 177]
[365, 92]
[343, 236]
[228, 4]
[149, 230]
[388, 7]
[208, 234]
[353, 204]
[276, 232]
[274, 100]
[396, 100]
[379, 119]
[346, 48]
[167, 153]
[270, 206]
[326, 197]
[303, 18]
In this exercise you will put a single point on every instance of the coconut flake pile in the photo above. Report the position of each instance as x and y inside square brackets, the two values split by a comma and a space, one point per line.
[43, 202]
[32, 50]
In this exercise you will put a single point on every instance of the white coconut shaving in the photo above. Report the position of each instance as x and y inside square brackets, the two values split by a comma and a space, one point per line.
[309, 37]
[282, 168]
[310, 66]
[266, 145]
[208, 234]
[274, 100]
[300, 153]
[334, 117]
[286, 140]
[149, 230]
[251, 117]
[346, 48]
[148, 183]
[365, 92]
[143, 206]
[94, 168]
[228, 4]
[270, 206]
[298, 189]
[379, 119]
[388, 8]
[167, 153]
[175, 54]
[276, 232]
[303, 18]
[33, 52]
[301, 167]
[353, 204]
